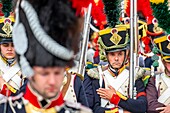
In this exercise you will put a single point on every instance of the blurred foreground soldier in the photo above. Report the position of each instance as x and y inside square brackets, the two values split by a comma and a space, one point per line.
[10, 73]
[48, 32]
[158, 88]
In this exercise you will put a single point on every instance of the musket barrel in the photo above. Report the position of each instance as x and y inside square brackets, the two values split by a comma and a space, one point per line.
[83, 56]
[133, 47]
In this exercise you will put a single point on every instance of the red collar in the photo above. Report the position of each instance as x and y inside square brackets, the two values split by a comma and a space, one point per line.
[31, 96]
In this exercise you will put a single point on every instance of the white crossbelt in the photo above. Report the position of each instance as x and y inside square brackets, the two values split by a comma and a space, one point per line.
[10, 73]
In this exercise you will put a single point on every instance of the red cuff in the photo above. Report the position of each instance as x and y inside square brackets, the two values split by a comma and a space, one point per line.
[5, 91]
[141, 94]
[115, 99]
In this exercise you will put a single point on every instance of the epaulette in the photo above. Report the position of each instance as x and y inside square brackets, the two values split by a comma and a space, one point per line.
[94, 73]
[73, 107]
[143, 73]
[140, 72]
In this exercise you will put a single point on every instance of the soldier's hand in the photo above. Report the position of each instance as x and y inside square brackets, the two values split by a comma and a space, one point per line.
[106, 93]
[2, 81]
[165, 109]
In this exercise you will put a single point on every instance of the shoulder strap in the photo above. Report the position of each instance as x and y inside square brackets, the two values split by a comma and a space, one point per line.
[65, 87]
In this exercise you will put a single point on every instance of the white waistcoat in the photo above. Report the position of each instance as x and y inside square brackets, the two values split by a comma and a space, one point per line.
[120, 83]
[70, 93]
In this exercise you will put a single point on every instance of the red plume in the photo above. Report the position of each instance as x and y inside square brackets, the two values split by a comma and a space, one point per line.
[144, 7]
[98, 13]
[79, 5]
[97, 10]
[1, 13]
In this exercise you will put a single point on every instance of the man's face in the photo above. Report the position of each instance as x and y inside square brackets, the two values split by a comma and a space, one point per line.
[7, 50]
[116, 59]
[47, 81]
[167, 67]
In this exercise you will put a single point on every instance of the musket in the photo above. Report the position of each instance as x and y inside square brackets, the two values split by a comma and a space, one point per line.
[133, 47]
[84, 46]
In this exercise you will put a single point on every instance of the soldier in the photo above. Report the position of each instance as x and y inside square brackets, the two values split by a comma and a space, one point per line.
[46, 36]
[111, 83]
[93, 51]
[158, 87]
[11, 78]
